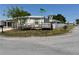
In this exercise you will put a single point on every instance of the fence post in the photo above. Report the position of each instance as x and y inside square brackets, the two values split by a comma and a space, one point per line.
[2, 28]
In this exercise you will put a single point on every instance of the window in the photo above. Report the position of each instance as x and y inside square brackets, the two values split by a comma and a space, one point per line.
[36, 22]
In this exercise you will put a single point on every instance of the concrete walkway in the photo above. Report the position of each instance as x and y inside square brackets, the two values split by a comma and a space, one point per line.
[53, 45]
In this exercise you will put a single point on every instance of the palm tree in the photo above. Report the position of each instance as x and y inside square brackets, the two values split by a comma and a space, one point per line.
[42, 11]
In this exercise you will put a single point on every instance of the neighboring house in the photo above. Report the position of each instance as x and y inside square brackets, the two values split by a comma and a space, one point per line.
[32, 21]
[1, 23]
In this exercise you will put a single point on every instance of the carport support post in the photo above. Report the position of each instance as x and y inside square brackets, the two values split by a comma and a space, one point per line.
[51, 26]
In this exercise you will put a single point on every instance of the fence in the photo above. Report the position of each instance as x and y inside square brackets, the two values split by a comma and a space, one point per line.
[41, 26]
[59, 25]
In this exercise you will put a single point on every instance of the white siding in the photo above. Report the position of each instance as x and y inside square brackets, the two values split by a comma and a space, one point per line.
[32, 21]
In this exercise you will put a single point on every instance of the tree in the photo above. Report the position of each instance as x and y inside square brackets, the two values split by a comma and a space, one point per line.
[17, 12]
[77, 21]
[60, 18]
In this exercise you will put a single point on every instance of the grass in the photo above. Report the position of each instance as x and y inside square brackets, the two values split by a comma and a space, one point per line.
[27, 33]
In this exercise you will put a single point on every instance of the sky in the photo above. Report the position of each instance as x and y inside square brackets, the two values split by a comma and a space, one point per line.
[69, 11]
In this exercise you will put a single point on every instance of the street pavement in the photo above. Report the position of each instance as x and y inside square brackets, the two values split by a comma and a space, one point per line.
[66, 44]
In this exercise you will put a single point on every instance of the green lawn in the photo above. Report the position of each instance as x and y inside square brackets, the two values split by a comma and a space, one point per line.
[26, 33]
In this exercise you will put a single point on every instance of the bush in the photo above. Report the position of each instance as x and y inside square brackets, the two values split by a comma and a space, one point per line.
[65, 27]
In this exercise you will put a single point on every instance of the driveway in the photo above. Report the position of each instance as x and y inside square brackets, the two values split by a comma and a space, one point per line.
[5, 29]
[67, 44]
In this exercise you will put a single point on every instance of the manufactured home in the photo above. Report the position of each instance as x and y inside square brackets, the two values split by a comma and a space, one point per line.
[33, 22]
